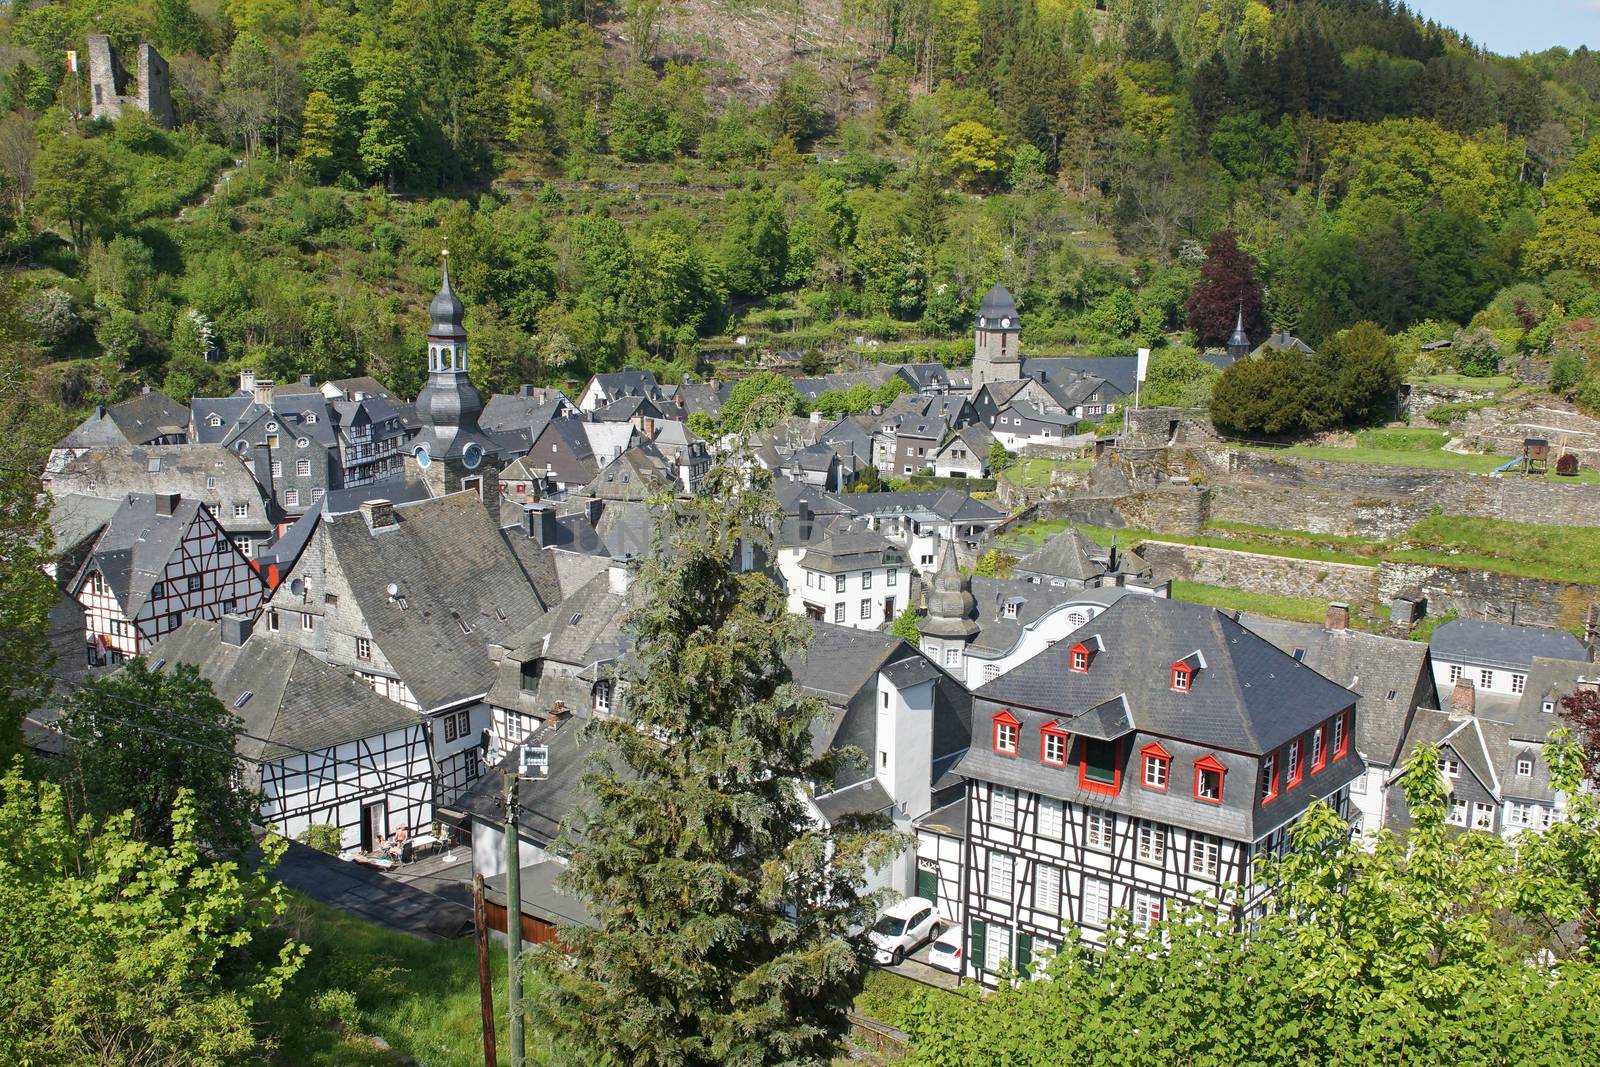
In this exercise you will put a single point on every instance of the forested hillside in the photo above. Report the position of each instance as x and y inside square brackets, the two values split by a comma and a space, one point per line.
[632, 184]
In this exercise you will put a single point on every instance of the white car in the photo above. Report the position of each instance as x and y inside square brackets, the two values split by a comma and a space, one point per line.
[945, 952]
[902, 929]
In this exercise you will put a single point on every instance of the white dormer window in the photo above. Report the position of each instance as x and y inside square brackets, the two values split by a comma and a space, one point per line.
[214, 420]
[309, 416]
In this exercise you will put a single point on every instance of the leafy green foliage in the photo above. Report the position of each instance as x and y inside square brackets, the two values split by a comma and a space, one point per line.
[722, 914]
[905, 626]
[143, 737]
[123, 950]
[1364, 952]
[995, 564]
[759, 401]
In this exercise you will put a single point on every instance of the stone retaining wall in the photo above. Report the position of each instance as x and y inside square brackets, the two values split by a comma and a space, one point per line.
[1484, 595]
[1253, 572]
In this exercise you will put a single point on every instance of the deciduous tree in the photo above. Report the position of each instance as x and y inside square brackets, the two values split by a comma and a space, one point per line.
[1227, 285]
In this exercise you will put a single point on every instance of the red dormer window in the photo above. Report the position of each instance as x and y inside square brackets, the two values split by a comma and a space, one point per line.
[1319, 748]
[1006, 732]
[1053, 745]
[1182, 676]
[1208, 775]
[1157, 763]
[1341, 735]
[1080, 658]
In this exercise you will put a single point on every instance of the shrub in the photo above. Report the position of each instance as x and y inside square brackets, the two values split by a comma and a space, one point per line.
[324, 837]
[1567, 465]
[336, 1006]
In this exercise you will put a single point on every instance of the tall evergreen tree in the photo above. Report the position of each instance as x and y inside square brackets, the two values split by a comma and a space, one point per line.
[722, 915]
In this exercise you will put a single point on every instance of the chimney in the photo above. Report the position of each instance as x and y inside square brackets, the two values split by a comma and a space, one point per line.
[306, 379]
[145, 391]
[559, 713]
[1464, 698]
[378, 513]
[247, 382]
[816, 418]
[1338, 615]
[593, 507]
[235, 629]
[524, 389]
[620, 575]
[167, 503]
[539, 524]
[263, 392]
[99, 411]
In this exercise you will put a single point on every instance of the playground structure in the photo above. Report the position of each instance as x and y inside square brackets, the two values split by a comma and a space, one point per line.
[1535, 458]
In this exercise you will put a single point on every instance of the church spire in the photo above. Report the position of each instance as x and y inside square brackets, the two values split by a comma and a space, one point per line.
[1239, 344]
[446, 310]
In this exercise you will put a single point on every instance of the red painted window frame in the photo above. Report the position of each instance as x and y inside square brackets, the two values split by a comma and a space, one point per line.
[1210, 763]
[1344, 736]
[1322, 756]
[1272, 794]
[1188, 677]
[1005, 718]
[1299, 745]
[1047, 731]
[1090, 785]
[1155, 751]
[1079, 649]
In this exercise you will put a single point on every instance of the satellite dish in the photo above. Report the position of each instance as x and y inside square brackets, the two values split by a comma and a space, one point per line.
[394, 590]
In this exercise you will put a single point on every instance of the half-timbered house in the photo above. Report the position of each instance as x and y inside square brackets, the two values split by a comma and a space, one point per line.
[1145, 763]
[161, 561]
[321, 747]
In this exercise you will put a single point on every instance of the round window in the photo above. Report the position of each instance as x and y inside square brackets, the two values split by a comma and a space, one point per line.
[423, 459]
[302, 443]
[471, 456]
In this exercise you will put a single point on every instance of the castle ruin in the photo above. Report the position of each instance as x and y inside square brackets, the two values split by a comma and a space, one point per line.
[109, 83]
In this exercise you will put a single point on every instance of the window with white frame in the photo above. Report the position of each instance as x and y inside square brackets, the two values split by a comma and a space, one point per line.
[1155, 770]
[1002, 866]
[449, 728]
[866, 579]
[308, 621]
[273, 621]
[1482, 816]
[1146, 909]
[1519, 682]
[1096, 901]
[1054, 748]
[291, 498]
[1458, 812]
[1524, 766]
[952, 657]
[838, 583]
[241, 511]
[1152, 846]
[996, 947]
[1052, 819]
[838, 612]
[1003, 807]
[277, 469]
[1205, 855]
[602, 696]
[1455, 672]
[363, 648]
[302, 467]
[866, 608]
[1099, 828]
[1047, 890]
[991, 671]
[1316, 748]
[1486, 679]
[1449, 766]
[1519, 814]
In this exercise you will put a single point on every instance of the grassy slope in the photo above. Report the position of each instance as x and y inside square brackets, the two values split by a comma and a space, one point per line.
[1412, 448]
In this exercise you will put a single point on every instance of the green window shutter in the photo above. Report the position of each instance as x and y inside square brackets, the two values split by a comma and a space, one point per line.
[1024, 951]
[980, 942]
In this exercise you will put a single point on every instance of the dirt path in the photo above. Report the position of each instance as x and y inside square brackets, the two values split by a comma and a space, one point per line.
[216, 187]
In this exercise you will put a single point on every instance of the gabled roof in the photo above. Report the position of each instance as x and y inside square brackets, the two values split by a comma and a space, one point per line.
[1034, 413]
[1463, 736]
[1118, 371]
[1499, 644]
[847, 545]
[585, 627]
[135, 421]
[139, 542]
[1389, 673]
[459, 588]
[1249, 698]
[840, 661]
[947, 504]
[199, 472]
[1069, 554]
[626, 526]
[999, 633]
[296, 701]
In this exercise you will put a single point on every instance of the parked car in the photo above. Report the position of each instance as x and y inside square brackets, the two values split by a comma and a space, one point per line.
[945, 952]
[903, 928]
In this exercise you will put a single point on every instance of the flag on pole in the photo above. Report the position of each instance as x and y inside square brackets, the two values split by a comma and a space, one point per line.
[1144, 364]
[72, 62]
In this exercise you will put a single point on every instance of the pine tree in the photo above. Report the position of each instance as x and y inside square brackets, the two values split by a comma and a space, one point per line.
[722, 916]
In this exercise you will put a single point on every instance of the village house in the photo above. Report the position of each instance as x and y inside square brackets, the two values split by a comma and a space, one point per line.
[321, 747]
[1146, 763]
[151, 418]
[160, 562]
[844, 572]
[1069, 560]
[964, 453]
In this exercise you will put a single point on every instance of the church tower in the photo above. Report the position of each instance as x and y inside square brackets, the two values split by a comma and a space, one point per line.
[995, 355]
[451, 452]
[952, 619]
[1239, 344]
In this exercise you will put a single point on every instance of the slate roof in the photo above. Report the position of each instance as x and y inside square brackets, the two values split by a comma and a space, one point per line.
[453, 569]
[185, 469]
[847, 545]
[136, 421]
[1249, 697]
[296, 701]
[998, 303]
[543, 803]
[998, 634]
[540, 897]
[75, 518]
[1390, 674]
[840, 661]
[1069, 554]
[138, 543]
[362, 385]
[581, 629]
[621, 383]
[626, 527]
[1119, 371]
[948, 504]
[574, 461]
[505, 411]
[394, 490]
[1465, 736]
[1499, 644]
[1034, 413]
[866, 797]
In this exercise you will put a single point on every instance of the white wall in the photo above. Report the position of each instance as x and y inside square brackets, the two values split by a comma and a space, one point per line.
[489, 849]
[820, 588]
[1501, 680]
[1036, 637]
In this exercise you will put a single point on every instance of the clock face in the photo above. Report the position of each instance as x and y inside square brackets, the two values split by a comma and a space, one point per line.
[471, 456]
[423, 459]
[1005, 322]
[982, 320]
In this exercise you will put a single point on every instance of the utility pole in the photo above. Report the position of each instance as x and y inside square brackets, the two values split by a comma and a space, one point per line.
[480, 920]
[513, 919]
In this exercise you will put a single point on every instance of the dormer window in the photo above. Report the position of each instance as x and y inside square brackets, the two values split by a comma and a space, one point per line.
[1319, 751]
[1080, 658]
[214, 420]
[1007, 730]
[1269, 777]
[1341, 736]
[1157, 764]
[1182, 676]
[1208, 774]
[1053, 745]
[1011, 608]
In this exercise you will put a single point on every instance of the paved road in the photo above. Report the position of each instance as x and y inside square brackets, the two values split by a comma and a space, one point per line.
[371, 895]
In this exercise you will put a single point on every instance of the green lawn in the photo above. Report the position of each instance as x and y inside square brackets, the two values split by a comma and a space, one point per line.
[1279, 607]
[1034, 472]
[419, 996]
[1413, 456]
[1403, 439]
[1461, 381]
[1529, 550]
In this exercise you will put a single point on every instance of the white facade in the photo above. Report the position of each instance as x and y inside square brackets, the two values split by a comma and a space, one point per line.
[975, 666]
[1484, 679]
[368, 787]
[863, 599]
